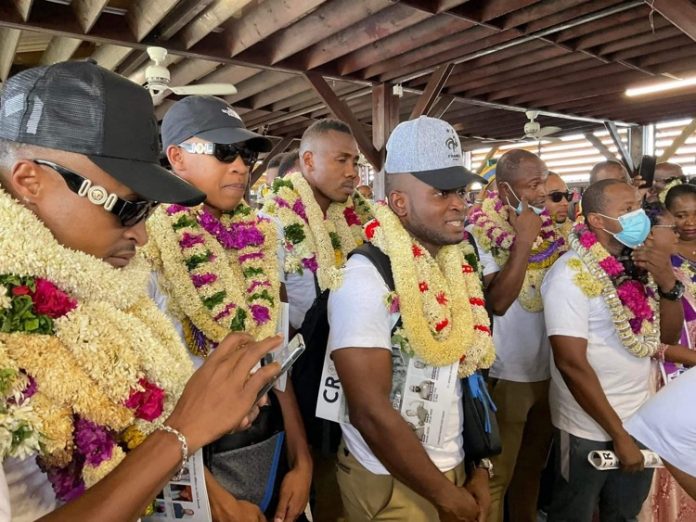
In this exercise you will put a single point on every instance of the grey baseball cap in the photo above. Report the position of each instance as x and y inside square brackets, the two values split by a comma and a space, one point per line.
[429, 149]
[211, 119]
[83, 108]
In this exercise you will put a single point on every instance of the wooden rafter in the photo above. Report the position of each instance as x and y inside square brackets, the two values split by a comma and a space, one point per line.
[23, 8]
[60, 49]
[678, 141]
[432, 90]
[87, 12]
[143, 15]
[279, 147]
[217, 14]
[681, 13]
[597, 144]
[341, 111]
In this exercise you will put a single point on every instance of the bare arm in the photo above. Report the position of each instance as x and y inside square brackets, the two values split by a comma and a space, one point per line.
[366, 375]
[216, 400]
[677, 353]
[502, 288]
[685, 480]
[570, 356]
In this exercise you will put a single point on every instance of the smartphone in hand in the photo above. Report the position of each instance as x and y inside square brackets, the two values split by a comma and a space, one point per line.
[286, 357]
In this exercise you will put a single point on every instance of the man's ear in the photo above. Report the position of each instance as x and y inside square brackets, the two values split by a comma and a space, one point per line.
[595, 220]
[398, 202]
[175, 155]
[307, 161]
[27, 181]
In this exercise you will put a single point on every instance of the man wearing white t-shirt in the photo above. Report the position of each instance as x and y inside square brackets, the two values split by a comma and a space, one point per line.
[519, 378]
[385, 471]
[669, 429]
[597, 382]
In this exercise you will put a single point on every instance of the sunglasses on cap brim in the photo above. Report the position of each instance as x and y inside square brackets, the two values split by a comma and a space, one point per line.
[224, 152]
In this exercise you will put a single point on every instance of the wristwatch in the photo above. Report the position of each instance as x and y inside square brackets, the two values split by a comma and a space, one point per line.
[675, 293]
[487, 465]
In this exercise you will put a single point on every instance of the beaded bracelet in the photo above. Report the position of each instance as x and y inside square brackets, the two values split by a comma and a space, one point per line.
[184, 449]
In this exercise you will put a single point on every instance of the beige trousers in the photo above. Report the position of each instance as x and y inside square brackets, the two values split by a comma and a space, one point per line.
[367, 496]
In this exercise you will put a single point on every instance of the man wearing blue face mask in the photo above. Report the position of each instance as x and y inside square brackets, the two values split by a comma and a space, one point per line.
[608, 303]
[518, 241]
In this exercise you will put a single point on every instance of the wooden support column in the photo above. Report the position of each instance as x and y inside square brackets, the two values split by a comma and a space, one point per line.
[437, 80]
[682, 14]
[636, 144]
[9, 38]
[440, 107]
[279, 147]
[678, 141]
[385, 116]
[623, 150]
[341, 111]
[597, 143]
[489, 155]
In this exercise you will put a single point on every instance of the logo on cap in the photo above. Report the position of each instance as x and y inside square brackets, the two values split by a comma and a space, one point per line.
[230, 112]
[451, 144]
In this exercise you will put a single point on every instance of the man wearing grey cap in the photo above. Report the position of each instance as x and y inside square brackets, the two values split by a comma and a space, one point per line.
[433, 324]
[218, 270]
[89, 366]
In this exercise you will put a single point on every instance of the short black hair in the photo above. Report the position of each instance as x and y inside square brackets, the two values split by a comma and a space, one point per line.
[655, 210]
[289, 162]
[685, 189]
[594, 198]
[603, 165]
[321, 127]
[508, 165]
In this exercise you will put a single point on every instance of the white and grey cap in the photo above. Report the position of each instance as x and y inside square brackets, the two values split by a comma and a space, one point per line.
[429, 149]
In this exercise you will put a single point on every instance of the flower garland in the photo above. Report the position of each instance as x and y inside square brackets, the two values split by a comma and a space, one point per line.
[84, 355]
[686, 267]
[440, 299]
[634, 306]
[221, 273]
[314, 242]
[494, 233]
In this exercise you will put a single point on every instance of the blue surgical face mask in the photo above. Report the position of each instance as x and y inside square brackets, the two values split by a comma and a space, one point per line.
[518, 208]
[635, 227]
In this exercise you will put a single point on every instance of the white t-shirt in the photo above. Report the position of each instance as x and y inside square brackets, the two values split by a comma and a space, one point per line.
[359, 318]
[301, 288]
[4, 498]
[667, 425]
[625, 378]
[30, 493]
[521, 345]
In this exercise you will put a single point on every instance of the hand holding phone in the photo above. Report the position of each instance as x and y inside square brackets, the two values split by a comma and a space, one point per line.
[286, 357]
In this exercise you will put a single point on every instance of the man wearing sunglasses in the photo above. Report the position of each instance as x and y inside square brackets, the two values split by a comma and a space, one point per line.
[235, 288]
[79, 173]
[665, 174]
[558, 198]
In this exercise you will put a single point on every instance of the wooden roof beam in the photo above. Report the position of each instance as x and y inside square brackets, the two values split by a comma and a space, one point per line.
[279, 147]
[9, 38]
[87, 12]
[23, 8]
[214, 16]
[110, 56]
[678, 141]
[143, 15]
[432, 90]
[258, 83]
[682, 13]
[340, 111]
[441, 106]
[179, 17]
[59, 49]
[265, 19]
[286, 89]
[601, 147]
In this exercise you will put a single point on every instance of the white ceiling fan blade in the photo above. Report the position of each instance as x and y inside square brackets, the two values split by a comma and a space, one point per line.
[215, 89]
[159, 96]
[546, 131]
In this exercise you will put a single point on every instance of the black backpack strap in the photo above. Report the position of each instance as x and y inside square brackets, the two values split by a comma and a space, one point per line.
[379, 259]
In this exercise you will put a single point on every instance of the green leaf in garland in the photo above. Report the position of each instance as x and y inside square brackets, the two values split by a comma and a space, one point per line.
[294, 233]
[237, 324]
[335, 240]
[214, 300]
[183, 222]
[279, 183]
[197, 260]
[7, 379]
[21, 316]
[265, 295]
[251, 271]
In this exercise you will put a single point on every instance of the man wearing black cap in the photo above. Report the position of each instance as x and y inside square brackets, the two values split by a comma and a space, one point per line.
[79, 174]
[218, 271]
[432, 328]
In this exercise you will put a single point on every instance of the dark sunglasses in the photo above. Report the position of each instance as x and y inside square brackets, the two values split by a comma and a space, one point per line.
[556, 197]
[130, 213]
[224, 152]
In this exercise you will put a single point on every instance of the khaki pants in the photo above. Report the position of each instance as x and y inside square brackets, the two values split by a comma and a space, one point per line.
[367, 496]
[525, 432]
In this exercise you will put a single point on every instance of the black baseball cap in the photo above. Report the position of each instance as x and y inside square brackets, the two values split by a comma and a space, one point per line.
[211, 119]
[81, 107]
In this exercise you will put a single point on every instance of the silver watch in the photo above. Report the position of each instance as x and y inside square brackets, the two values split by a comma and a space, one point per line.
[487, 465]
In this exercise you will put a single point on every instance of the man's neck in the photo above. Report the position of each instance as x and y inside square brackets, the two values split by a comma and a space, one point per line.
[320, 198]
[614, 247]
[214, 211]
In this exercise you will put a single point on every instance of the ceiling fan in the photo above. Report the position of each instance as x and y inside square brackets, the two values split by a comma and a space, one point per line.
[532, 131]
[157, 79]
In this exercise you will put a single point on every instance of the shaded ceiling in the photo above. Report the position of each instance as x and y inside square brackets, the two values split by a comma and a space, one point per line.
[571, 59]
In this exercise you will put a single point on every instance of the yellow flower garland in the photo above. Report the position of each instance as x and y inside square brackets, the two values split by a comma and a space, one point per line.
[440, 300]
[317, 230]
[165, 254]
[100, 350]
